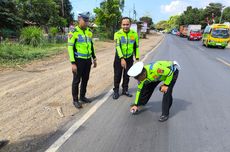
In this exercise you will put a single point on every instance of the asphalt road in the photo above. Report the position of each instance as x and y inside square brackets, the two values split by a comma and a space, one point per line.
[199, 118]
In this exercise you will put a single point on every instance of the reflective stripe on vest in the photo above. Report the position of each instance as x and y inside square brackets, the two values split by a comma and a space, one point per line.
[81, 55]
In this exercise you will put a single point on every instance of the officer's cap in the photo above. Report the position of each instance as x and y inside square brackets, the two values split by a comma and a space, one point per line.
[84, 15]
[136, 69]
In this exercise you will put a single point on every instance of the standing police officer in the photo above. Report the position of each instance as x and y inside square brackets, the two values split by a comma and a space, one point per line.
[127, 44]
[81, 53]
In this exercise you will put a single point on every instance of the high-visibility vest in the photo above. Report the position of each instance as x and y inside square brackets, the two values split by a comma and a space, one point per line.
[80, 44]
[127, 44]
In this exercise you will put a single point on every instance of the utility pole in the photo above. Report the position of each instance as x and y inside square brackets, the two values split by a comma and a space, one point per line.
[222, 10]
[134, 12]
[62, 5]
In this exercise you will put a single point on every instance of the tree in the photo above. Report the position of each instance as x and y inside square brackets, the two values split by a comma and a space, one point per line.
[226, 15]
[147, 19]
[162, 25]
[65, 9]
[190, 16]
[9, 15]
[38, 11]
[213, 10]
[108, 16]
[173, 22]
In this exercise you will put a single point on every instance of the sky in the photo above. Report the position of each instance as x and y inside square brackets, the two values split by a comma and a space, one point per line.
[157, 9]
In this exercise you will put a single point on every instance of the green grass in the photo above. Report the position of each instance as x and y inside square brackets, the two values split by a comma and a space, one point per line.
[12, 54]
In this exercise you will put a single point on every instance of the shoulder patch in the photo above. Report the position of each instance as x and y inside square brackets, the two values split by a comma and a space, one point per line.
[74, 30]
[160, 71]
[70, 35]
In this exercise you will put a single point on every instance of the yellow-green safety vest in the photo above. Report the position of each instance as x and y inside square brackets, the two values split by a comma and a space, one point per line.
[156, 71]
[80, 44]
[127, 43]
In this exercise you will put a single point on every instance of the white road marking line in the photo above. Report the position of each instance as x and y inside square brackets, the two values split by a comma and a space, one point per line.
[57, 144]
[61, 140]
[223, 61]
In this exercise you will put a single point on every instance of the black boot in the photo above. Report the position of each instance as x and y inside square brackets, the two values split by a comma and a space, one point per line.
[85, 100]
[163, 118]
[77, 104]
[126, 93]
[115, 95]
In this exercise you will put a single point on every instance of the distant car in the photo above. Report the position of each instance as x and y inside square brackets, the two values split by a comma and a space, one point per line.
[174, 32]
[195, 35]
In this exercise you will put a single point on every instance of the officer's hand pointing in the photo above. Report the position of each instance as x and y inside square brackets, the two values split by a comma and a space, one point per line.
[123, 63]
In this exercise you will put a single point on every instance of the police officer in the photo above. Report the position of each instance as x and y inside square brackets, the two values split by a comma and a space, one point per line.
[149, 76]
[81, 53]
[127, 44]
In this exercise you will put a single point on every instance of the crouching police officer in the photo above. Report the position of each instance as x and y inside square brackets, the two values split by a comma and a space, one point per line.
[127, 45]
[149, 76]
[81, 53]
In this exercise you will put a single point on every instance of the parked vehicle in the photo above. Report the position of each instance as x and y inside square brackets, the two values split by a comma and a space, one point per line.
[194, 32]
[195, 35]
[183, 31]
[174, 31]
[216, 35]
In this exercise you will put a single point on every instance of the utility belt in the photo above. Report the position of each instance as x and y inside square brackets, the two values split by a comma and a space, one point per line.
[82, 55]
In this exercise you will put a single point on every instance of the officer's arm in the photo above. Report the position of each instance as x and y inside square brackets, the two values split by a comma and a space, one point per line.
[71, 40]
[140, 86]
[137, 54]
[93, 52]
[165, 71]
[118, 46]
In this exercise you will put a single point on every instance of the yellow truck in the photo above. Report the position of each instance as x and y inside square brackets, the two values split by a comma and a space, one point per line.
[216, 35]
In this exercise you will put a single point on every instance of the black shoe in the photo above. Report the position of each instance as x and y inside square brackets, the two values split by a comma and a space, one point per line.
[3, 143]
[163, 118]
[85, 100]
[116, 95]
[77, 104]
[127, 94]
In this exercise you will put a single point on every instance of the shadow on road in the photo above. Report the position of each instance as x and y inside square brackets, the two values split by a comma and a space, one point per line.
[177, 106]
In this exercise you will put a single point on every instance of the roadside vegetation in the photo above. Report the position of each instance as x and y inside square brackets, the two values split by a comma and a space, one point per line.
[213, 13]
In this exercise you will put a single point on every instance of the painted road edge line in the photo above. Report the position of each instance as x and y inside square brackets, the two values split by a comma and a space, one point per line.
[61, 140]
[223, 61]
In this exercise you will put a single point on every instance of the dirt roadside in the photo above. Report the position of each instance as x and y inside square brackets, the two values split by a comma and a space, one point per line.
[33, 96]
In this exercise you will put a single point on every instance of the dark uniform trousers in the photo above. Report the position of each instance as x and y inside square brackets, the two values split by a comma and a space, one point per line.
[82, 75]
[147, 90]
[118, 70]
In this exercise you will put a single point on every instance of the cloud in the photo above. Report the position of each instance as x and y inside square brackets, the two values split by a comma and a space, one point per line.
[178, 6]
[175, 7]
[206, 2]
